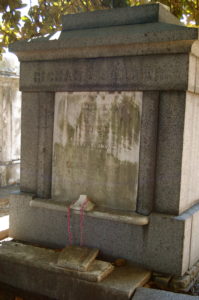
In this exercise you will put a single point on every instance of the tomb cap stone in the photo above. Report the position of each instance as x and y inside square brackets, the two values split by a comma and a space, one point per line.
[139, 30]
[120, 16]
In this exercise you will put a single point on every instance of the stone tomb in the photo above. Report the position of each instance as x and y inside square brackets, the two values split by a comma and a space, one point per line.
[110, 109]
[10, 122]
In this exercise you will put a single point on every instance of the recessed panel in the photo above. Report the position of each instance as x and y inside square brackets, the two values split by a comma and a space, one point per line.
[96, 147]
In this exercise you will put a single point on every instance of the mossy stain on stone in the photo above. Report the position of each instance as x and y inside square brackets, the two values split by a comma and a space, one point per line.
[96, 173]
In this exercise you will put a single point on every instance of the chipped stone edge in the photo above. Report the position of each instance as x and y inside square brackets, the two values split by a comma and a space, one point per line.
[177, 283]
[128, 218]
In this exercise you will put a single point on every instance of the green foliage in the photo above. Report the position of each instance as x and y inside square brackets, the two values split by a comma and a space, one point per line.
[46, 16]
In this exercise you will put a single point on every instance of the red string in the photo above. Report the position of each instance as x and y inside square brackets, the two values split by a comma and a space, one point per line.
[82, 221]
[70, 237]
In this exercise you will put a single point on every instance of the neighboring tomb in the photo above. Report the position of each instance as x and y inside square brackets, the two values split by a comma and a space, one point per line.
[111, 109]
[10, 121]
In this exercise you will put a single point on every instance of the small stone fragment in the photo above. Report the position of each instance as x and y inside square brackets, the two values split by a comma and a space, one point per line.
[119, 262]
[180, 283]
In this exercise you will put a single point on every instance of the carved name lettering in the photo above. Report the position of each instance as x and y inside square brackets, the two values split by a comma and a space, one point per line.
[140, 73]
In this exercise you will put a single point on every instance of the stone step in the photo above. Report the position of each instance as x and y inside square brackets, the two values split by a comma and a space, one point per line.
[151, 294]
[77, 258]
[33, 269]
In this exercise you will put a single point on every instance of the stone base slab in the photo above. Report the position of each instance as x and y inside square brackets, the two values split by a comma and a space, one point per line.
[164, 245]
[29, 268]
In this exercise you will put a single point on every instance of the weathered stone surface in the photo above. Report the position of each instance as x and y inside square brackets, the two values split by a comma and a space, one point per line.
[96, 212]
[28, 223]
[157, 59]
[45, 144]
[169, 151]
[148, 145]
[9, 173]
[153, 39]
[96, 272]
[96, 139]
[10, 124]
[150, 72]
[163, 245]
[168, 243]
[107, 41]
[162, 280]
[36, 148]
[197, 76]
[125, 16]
[189, 191]
[194, 251]
[151, 294]
[77, 258]
[181, 283]
[177, 283]
[192, 73]
[177, 173]
[30, 268]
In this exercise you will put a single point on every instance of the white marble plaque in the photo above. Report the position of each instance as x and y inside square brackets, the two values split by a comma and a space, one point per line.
[96, 147]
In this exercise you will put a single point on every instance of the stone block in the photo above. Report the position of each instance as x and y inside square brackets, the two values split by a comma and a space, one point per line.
[197, 76]
[77, 258]
[123, 16]
[181, 283]
[36, 139]
[134, 73]
[96, 272]
[45, 144]
[169, 152]
[161, 280]
[186, 282]
[192, 73]
[189, 189]
[29, 142]
[148, 145]
[148, 39]
[151, 294]
[177, 173]
[168, 243]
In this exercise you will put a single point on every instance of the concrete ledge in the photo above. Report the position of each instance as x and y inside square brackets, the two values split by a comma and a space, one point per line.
[113, 215]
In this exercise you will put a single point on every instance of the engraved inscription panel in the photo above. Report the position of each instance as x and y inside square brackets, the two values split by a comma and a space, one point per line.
[151, 72]
[96, 147]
